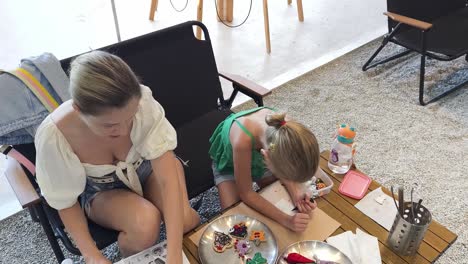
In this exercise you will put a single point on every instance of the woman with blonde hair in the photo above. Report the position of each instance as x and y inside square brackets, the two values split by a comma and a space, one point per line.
[259, 145]
[108, 154]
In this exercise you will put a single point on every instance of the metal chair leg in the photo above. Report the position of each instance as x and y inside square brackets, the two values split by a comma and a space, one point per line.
[385, 41]
[33, 214]
[421, 86]
[422, 72]
[116, 21]
[49, 232]
[401, 54]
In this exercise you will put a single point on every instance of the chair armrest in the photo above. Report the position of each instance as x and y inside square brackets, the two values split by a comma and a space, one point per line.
[245, 85]
[409, 21]
[20, 184]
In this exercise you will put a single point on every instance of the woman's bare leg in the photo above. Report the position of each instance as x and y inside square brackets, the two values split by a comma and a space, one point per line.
[191, 217]
[137, 219]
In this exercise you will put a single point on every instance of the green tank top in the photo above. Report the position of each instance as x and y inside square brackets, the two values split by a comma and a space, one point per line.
[221, 148]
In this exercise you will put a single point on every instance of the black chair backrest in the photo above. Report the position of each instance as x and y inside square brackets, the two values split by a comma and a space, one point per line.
[182, 73]
[425, 10]
[179, 68]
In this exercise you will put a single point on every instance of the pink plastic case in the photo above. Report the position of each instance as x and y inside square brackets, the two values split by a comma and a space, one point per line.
[354, 185]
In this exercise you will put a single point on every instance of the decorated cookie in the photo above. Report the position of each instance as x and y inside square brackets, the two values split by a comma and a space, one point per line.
[221, 242]
[257, 236]
[242, 247]
[257, 259]
[239, 230]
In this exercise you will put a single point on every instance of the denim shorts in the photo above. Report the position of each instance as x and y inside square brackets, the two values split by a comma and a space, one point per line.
[110, 182]
[220, 177]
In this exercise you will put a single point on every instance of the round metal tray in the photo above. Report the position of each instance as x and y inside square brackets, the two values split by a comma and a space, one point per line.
[268, 249]
[309, 248]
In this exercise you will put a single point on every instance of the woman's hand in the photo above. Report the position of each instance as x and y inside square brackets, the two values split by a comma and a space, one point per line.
[97, 259]
[174, 258]
[298, 222]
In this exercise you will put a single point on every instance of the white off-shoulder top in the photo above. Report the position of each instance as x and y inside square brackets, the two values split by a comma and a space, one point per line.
[61, 175]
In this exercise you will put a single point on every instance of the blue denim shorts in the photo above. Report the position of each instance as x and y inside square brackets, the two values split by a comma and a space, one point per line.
[220, 177]
[110, 182]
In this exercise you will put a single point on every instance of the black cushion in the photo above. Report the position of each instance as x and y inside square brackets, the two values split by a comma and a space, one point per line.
[425, 10]
[193, 145]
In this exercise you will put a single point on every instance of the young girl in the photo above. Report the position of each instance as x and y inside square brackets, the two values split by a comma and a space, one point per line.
[260, 145]
[111, 147]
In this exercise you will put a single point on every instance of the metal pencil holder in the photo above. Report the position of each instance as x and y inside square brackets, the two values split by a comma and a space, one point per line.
[408, 230]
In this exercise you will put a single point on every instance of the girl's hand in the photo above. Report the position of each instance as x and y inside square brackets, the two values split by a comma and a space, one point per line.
[298, 222]
[295, 190]
[305, 205]
[300, 199]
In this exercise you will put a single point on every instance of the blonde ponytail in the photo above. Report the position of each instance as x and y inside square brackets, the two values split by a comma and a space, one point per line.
[275, 120]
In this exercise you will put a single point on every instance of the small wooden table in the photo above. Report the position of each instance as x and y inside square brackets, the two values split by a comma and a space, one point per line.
[341, 208]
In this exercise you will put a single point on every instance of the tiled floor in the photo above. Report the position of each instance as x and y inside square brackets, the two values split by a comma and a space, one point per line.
[66, 28]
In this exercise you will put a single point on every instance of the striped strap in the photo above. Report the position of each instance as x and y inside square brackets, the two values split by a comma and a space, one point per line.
[46, 99]
[11, 152]
[36, 88]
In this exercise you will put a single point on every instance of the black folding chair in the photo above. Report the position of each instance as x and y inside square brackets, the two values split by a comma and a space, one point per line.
[181, 71]
[437, 29]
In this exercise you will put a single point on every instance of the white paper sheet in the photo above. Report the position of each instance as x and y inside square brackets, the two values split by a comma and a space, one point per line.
[361, 248]
[378, 206]
[345, 242]
[285, 206]
[368, 248]
[156, 254]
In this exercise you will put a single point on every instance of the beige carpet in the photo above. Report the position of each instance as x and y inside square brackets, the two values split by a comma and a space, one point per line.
[399, 142]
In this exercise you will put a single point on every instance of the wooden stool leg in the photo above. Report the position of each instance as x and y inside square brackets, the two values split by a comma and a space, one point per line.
[300, 12]
[154, 7]
[229, 10]
[289, 2]
[220, 16]
[199, 17]
[267, 26]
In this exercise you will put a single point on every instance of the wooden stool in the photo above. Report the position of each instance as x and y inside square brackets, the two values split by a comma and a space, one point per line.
[154, 7]
[225, 12]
